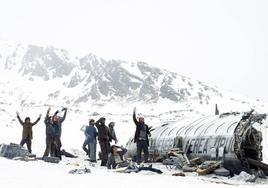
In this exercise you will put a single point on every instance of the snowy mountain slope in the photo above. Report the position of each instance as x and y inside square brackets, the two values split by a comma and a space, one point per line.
[34, 77]
[47, 75]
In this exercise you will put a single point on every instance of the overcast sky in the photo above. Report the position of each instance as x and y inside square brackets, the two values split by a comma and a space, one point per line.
[224, 43]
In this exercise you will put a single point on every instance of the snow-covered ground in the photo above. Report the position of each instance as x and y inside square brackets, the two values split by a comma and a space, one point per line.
[41, 174]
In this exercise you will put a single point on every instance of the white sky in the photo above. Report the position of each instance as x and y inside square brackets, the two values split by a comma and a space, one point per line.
[224, 43]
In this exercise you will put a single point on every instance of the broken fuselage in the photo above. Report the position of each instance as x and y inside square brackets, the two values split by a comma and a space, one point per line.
[230, 138]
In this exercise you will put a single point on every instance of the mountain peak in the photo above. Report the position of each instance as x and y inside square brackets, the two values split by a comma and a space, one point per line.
[91, 79]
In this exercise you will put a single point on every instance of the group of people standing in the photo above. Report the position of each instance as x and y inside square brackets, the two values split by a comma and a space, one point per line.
[105, 134]
[53, 132]
[93, 131]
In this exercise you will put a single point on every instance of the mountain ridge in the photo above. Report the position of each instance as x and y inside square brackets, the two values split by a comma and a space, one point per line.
[91, 80]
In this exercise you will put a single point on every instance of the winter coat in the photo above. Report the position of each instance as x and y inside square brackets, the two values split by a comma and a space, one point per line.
[56, 126]
[113, 135]
[91, 134]
[138, 129]
[49, 131]
[27, 128]
[103, 131]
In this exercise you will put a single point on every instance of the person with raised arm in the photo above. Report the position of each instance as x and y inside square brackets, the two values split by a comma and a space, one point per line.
[49, 135]
[27, 132]
[141, 137]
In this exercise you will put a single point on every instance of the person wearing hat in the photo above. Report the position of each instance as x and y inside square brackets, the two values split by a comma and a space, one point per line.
[27, 132]
[141, 137]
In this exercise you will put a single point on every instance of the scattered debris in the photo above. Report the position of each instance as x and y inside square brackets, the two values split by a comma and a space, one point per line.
[51, 159]
[222, 172]
[256, 174]
[67, 154]
[208, 167]
[26, 159]
[13, 151]
[176, 159]
[217, 181]
[195, 161]
[178, 174]
[80, 171]
[187, 168]
[134, 168]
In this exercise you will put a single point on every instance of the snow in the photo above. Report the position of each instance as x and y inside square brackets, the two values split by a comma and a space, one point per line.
[132, 68]
[40, 174]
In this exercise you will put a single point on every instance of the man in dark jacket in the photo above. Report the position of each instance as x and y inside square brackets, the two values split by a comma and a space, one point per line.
[112, 132]
[49, 135]
[56, 132]
[27, 132]
[116, 157]
[141, 137]
[103, 137]
[91, 133]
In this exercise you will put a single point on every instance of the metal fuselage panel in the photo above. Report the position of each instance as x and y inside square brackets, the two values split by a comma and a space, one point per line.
[210, 138]
[197, 136]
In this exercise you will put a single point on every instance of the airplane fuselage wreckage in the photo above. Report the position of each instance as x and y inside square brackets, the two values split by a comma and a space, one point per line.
[231, 138]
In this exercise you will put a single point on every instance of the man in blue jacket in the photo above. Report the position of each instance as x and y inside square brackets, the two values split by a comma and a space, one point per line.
[91, 134]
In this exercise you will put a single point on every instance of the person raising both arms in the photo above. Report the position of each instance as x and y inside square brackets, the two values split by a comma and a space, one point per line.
[27, 132]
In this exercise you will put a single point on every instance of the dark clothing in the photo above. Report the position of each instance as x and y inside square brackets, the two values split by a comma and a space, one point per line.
[112, 133]
[28, 143]
[142, 146]
[48, 124]
[57, 150]
[53, 134]
[116, 160]
[27, 128]
[56, 133]
[49, 145]
[105, 149]
[142, 135]
[27, 133]
[103, 137]
[49, 137]
[141, 138]
[57, 130]
[141, 127]
[103, 131]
